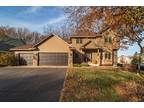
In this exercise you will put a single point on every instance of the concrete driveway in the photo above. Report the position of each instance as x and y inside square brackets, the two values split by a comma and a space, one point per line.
[31, 84]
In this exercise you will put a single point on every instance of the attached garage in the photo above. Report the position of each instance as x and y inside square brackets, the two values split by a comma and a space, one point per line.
[51, 51]
[25, 58]
[53, 59]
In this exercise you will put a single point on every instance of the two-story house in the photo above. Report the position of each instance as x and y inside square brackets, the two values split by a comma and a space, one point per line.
[97, 49]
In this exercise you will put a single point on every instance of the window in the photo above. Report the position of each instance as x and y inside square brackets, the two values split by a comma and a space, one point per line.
[107, 55]
[108, 39]
[79, 41]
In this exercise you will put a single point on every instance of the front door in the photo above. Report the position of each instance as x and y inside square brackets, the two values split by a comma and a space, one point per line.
[88, 56]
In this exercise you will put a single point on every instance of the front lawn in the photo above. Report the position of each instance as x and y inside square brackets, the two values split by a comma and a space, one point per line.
[102, 85]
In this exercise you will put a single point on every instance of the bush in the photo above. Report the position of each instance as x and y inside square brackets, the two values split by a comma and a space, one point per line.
[130, 67]
[76, 65]
[135, 59]
[81, 65]
[84, 64]
[7, 59]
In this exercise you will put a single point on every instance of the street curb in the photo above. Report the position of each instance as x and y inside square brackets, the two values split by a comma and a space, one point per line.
[36, 67]
[62, 91]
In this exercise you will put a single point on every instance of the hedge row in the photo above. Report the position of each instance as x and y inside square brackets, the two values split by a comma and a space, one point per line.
[7, 59]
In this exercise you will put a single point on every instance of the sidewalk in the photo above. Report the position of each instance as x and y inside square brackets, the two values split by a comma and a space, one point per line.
[36, 67]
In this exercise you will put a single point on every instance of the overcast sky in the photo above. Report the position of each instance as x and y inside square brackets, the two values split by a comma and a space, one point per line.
[35, 18]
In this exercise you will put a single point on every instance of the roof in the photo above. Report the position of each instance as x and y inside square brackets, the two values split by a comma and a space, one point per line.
[85, 36]
[94, 45]
[34, 47]
[45, 39]
[23, 48]
[86, 43]
[90, 34]
[7, 43]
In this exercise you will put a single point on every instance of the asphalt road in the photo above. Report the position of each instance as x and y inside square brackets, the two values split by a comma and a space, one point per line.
[31, 84]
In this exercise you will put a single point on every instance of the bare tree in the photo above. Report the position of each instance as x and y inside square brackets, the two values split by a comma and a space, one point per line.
[61, 30]
[23, 34]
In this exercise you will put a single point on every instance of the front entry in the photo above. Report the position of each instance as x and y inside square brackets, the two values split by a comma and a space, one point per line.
[88, 56]
[92, 56]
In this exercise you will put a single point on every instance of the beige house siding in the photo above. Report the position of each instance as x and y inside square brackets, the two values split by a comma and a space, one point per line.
[84, 40]
[57, 45]
[106, 61]
[99, 43]
[35, 55]
[54, 44]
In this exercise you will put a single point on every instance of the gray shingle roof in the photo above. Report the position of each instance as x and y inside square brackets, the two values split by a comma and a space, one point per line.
[7, 43]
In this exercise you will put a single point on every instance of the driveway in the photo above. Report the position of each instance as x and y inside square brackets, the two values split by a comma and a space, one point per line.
[31, 84]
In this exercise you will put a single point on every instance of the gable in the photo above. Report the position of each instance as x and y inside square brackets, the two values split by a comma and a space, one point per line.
[53, 44]
[90, 45]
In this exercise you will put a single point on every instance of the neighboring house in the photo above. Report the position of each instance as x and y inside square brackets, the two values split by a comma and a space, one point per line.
[124, 59]
[94, 49]
[8, 43]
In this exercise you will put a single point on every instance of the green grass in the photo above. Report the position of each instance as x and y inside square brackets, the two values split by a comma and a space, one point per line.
[101, 85]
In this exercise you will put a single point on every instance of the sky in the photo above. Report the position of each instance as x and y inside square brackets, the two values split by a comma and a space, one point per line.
[35, 18]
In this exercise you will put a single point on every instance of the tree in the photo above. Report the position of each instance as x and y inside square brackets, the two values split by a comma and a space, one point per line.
[61, 30]
[126, 22]
[135, 59]
[23, 34]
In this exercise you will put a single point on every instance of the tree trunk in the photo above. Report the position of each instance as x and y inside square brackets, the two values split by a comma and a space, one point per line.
[140, 55]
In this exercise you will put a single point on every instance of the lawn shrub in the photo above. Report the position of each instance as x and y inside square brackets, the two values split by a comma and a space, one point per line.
[129, 67]
[7, 59]
[84, 64]
[81, 65]
[76, 65]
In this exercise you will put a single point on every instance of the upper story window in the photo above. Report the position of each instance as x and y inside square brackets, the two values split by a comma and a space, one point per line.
[79, 41]
[108, 39]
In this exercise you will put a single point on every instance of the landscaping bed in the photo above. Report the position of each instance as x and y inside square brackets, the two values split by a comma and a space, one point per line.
[83, 84]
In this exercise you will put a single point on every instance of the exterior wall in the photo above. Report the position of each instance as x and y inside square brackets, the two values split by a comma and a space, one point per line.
[70, 59]
[106, 61]
[77, 46]
[106, 47]
[96, 57]
[115, 58]
[110, 46]
[99, 41]
[54, 44]
[35, 56]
